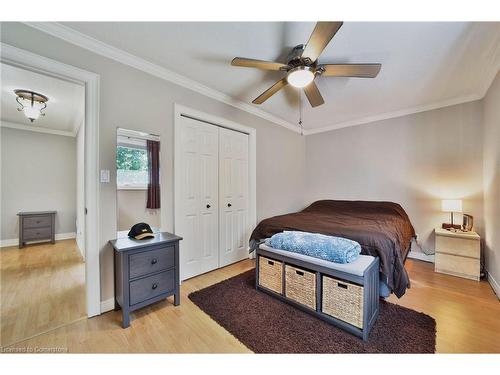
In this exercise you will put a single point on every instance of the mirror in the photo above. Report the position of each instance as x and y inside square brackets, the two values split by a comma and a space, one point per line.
[137, 180]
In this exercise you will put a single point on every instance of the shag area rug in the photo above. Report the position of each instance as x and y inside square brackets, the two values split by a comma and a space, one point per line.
[266, 325]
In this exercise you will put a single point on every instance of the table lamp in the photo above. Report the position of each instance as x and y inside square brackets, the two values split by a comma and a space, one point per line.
[451, 206]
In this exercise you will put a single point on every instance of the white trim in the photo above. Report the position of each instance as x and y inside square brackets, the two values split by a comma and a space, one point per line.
[37, 129]
[494, 285]
[136, 134]
[9, 243]
[421, 256]
[395, 114]
[252, 157]
[33, 62]
[59, 237]
[107, 305]
[96, 46]
[131, 187]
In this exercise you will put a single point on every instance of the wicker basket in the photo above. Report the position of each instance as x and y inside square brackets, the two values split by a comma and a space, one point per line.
[300, 286]
[343, 300]
[271, 274]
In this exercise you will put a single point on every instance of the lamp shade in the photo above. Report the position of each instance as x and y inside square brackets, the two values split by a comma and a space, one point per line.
[451, 205]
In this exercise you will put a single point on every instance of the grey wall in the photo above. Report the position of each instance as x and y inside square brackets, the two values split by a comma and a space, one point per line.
[491, 169]
[38, 173]
[135, 100]
[414, 160]
[132, 209]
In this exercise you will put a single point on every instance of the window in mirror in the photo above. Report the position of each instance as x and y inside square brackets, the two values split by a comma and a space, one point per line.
[132, 164]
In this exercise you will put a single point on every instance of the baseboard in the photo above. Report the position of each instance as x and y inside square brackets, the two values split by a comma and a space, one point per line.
[65, 236]
[494, 285]
[421, 256]
[107, 305]
[59, 236]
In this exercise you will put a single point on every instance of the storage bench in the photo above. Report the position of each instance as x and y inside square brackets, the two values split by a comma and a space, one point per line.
[346, 295]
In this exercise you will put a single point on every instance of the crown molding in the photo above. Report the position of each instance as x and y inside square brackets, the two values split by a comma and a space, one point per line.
[96, 46]
[395, 114]
[18, 126]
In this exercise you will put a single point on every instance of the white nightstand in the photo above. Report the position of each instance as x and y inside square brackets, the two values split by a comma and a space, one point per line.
[458, 253]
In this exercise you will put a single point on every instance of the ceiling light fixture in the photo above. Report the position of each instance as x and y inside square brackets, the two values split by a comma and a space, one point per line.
[300, 76]
[32, 103]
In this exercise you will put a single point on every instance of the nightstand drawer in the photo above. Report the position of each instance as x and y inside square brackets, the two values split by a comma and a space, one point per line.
[37, 222]
[34, 234]
[458, 246]
[143, 289]
[151, 261]
[457, 265]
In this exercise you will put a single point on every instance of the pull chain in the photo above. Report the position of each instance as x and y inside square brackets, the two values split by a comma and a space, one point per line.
[300, 113]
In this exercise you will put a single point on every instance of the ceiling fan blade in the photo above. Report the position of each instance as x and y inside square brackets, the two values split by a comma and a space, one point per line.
[270, 91]
[351, 70]
[259, 64]
[313, 94]
[322, 34]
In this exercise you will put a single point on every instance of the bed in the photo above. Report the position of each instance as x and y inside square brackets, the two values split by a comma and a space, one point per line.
[383, 229]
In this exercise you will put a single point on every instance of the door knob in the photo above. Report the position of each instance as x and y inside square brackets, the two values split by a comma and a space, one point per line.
[208, 206]
[229, 204]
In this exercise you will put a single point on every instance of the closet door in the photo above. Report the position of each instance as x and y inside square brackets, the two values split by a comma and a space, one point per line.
[197, 194]
[233, 196]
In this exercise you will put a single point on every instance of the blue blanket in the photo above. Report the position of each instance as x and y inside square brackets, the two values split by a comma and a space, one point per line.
[333, 249]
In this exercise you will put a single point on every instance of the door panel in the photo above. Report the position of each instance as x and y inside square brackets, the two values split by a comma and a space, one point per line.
[198, 197]
[233, 196]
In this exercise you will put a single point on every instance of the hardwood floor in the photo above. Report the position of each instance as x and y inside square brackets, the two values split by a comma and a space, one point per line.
[466, 313]
[42, 287]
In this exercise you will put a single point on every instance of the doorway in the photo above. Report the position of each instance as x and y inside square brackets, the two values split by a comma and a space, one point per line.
[90, 81]
[43, 221]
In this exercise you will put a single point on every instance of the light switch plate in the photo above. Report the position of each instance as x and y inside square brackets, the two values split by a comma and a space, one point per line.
[105, 175]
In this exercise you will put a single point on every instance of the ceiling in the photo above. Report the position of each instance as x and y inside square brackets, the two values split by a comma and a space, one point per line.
[425, 65]
[65, 108]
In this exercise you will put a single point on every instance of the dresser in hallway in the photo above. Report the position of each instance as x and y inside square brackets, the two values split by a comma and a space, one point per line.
[37, 226]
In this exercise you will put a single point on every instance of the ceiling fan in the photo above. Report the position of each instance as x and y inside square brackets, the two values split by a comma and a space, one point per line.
[302, 66]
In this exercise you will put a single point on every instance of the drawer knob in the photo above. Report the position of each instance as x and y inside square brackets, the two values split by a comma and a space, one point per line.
[229, 204]
[154, 261]
[154, 286]
[38, 221]
[208, 206]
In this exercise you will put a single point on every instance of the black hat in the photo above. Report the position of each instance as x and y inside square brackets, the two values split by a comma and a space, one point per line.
[140, 231]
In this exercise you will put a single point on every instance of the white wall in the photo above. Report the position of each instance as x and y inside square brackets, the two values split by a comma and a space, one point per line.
[135, 100]
[414, 160]
[491, 169]
[132, 209]
[80, 189]
[38, 174]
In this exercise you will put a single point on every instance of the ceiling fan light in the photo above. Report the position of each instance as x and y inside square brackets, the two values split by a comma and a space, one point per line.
[300, 76]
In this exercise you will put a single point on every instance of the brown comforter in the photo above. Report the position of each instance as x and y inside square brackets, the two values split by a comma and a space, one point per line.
[382, 229]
